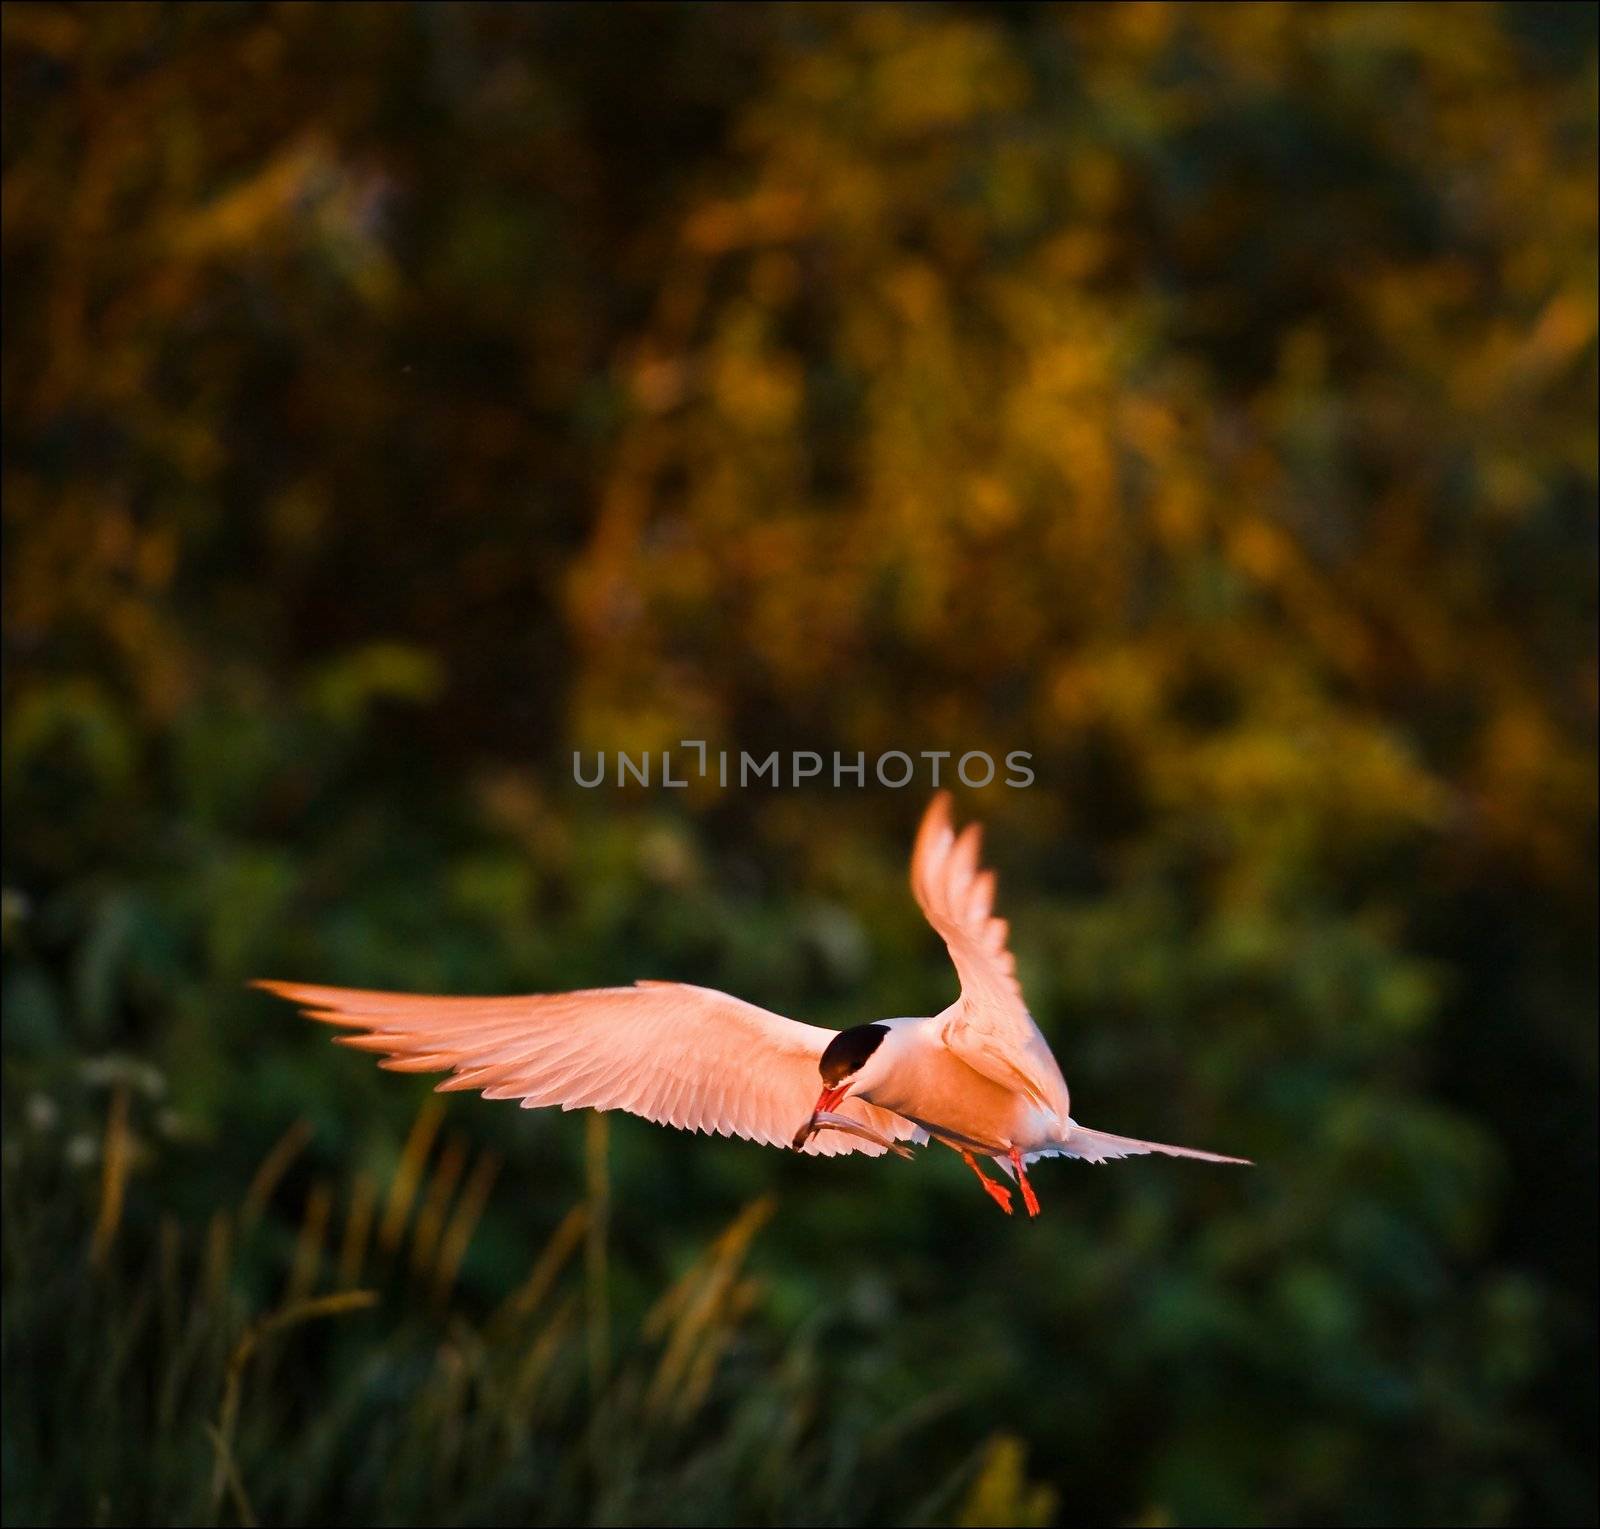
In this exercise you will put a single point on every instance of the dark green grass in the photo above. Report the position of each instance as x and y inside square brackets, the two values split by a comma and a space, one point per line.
[228, 1366]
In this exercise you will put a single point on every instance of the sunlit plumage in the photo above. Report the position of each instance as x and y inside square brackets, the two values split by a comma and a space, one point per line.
[979, 1076]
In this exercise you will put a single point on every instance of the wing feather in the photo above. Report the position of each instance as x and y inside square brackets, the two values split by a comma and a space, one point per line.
[989, 1028]
[676, 1054]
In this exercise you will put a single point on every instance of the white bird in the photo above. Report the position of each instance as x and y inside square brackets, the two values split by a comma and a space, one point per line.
[978, 1077]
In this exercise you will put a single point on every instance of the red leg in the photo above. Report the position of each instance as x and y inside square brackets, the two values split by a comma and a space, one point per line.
[996, 1191]
[1029, 1199]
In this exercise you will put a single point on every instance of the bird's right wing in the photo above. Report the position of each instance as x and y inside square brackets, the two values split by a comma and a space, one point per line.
[684, 1056]
[990, 1029]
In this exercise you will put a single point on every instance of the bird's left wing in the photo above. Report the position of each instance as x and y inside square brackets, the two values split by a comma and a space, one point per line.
[990, 1029]
[684, 1056]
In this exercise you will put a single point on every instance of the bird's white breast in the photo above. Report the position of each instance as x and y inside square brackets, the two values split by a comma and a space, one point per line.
[922, 1079]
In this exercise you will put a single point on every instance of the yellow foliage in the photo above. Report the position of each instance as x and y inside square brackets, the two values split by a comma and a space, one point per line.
[1002, 1493]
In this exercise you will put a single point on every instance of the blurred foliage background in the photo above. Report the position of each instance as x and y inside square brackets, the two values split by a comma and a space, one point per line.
[398, 398]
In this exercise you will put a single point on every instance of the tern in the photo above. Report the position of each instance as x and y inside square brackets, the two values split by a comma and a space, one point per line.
[978, 1077]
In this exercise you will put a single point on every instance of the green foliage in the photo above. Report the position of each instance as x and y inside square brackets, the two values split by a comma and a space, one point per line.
[397, 399]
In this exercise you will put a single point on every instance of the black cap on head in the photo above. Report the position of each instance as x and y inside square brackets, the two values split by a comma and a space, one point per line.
[848, 1050]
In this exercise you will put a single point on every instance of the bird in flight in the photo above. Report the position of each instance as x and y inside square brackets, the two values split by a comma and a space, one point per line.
[978, 1077]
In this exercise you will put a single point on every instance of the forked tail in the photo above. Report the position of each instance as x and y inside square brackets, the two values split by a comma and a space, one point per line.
[1102, 1146]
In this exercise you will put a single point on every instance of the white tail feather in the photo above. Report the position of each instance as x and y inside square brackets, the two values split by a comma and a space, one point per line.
[1102, 1147]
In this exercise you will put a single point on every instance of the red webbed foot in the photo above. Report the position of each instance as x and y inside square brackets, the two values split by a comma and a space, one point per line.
[999, 1194]
[1029, 1199]
[994, 1189]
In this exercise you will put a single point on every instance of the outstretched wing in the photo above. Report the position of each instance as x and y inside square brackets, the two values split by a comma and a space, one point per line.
[684, 1056]
[1102, 1147]
[990, 1029]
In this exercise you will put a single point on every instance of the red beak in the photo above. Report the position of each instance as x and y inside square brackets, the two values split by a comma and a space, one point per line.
[825, 1103]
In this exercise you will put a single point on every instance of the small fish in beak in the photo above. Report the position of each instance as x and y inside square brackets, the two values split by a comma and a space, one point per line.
[825, 1120]
[829, 1098]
